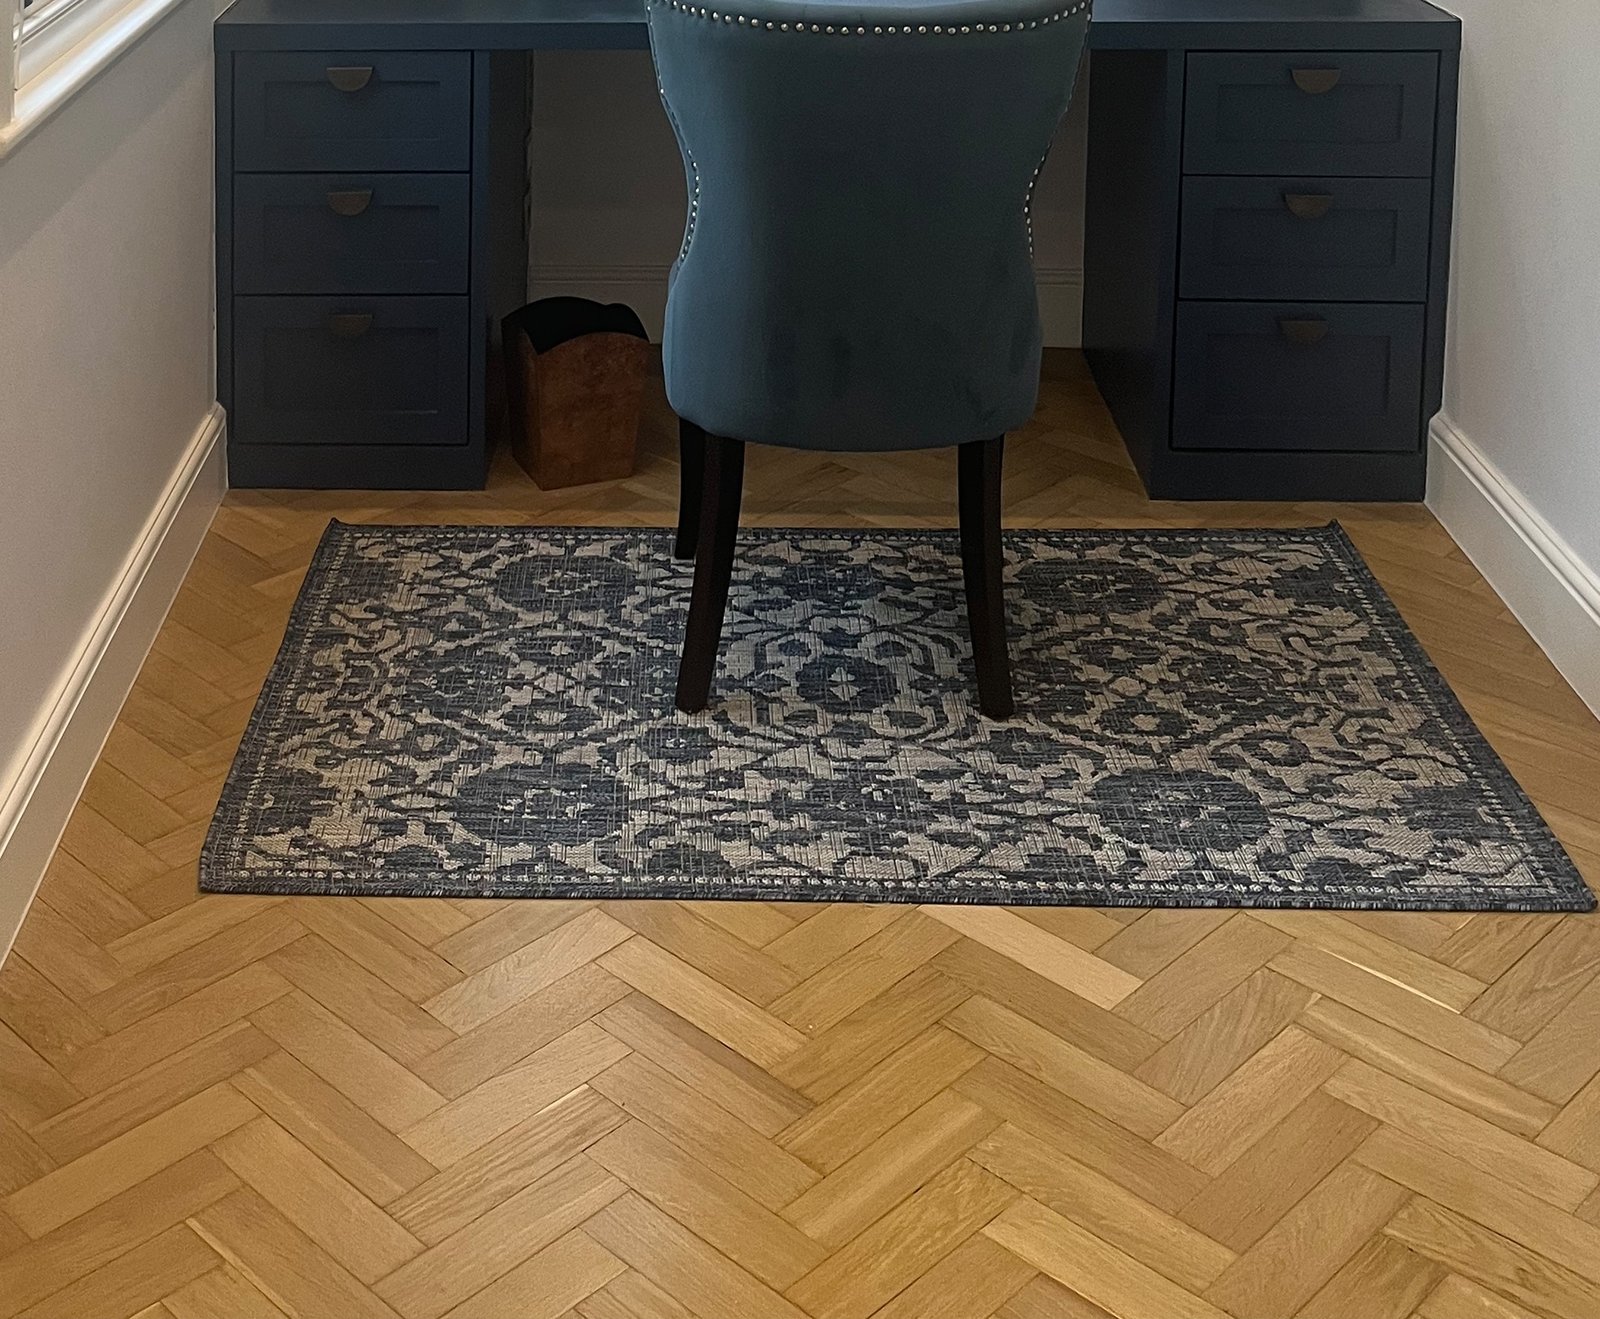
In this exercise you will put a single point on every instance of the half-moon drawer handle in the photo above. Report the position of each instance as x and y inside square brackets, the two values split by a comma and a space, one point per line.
[352, 202]
[350, 77]
[1308, 205]
[1304, 332]
[1316, 82]
[349, 324]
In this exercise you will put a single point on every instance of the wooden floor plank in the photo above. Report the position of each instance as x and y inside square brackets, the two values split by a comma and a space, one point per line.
[452, 1200]
[1192, 982]
[284, 1263]
[312, 1196]
[760, 1036]
[1515, 1272]
[1516, 1162]
[834, 1058]
[758, 1166]
[503, 984]
[1030, 1048]
[845, 1124]
[705, 1064]
[1455, 1184]
[347, 1060]
[711, 1207]
[1226, 1035]
[103, 1116]
[365, 1003]
[1063, 963]
[349, 1140]
[1142, 1166]
[133, 1283]
[471, 1121]
[1427, 1068]
[547, 1286]
[1307, 1246]
[904, 1245]
[1259, 1094]
[1110, 1211]
[223, 1291]
[1382, 1280]
[858, 976]
[1098, 1272]
[158, 1036]
[1395, 1005]
[1042, 1001]
[1258, 1188]
[126, 1160]
[465, 1263]
[683, 1265]
[911, 1152]
[40, 1268]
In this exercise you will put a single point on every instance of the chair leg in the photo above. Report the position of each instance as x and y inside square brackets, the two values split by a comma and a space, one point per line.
[982, 561]
[691, 481]
[713, 566]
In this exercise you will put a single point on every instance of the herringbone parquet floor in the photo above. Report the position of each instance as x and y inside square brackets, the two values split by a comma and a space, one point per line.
[247, 1108]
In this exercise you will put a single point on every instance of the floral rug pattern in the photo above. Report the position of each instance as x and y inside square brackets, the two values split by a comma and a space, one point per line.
[1205, 718]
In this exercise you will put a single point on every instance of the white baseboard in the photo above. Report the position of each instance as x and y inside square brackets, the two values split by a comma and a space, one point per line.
[644, 288]
[36, 803]
[1553, 593]
[1061, 305]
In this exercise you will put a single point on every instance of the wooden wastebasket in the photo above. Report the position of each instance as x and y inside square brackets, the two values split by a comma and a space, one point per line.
[575, 375]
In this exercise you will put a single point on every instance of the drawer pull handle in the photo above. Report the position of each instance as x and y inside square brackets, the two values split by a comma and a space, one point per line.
[1316, 82]
[1304, 333]
[350, 77]
[350, 203]
[1308, 205]
[350, 324]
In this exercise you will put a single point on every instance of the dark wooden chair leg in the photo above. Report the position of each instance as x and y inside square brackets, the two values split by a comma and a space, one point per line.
[982, 562]
[713, 566]
[691, 481]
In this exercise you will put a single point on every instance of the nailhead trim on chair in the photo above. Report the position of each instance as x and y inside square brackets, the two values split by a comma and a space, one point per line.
[694, 169]
[845, 30]
[1027, 201]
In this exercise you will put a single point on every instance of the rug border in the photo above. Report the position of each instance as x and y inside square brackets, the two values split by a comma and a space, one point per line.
[1470, 742]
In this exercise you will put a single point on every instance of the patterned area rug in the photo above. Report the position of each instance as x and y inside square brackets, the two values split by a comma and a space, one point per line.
[1206, 718]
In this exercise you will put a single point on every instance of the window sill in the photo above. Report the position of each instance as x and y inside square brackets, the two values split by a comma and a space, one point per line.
[38, 99]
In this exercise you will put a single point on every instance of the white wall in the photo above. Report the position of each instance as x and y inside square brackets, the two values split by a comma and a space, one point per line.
[608, 192]
[1515, 472]
[109, 461]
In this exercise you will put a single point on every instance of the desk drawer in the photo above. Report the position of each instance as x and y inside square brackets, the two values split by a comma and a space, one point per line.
[351, 233]
[1356, 240]
[1328, 112]
[352, 110]
[350, 370]
[1298, 377]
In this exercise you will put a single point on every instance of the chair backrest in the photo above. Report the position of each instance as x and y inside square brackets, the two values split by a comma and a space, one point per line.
[856, 271]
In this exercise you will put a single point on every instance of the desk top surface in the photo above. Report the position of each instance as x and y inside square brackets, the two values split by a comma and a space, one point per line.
[619, 25]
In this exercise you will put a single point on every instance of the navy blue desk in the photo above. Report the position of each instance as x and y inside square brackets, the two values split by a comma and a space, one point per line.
[1266, 246]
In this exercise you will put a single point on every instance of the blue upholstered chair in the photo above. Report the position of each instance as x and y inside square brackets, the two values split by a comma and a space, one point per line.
[856, 271]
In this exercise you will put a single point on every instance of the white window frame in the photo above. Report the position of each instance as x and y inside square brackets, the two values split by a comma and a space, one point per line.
[8, 60]
[57, 48]
[48, 29]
